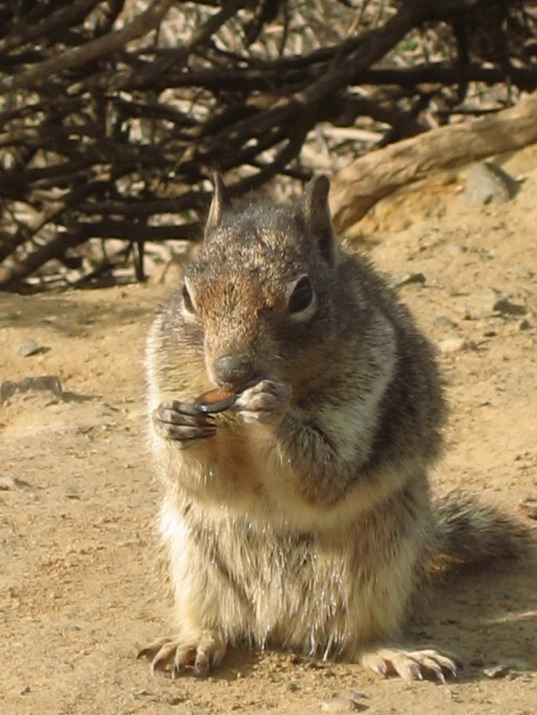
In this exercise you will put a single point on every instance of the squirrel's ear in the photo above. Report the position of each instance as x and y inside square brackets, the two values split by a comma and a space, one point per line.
[317, 217]
[220, 203]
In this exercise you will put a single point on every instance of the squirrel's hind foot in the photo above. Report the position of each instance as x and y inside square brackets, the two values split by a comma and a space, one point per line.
[412, 664]
[186, 656]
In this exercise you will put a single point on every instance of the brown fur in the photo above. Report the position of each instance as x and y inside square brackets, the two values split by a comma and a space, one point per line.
[303, 517]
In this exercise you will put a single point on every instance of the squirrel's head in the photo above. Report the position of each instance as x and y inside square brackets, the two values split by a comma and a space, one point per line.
[259, 294]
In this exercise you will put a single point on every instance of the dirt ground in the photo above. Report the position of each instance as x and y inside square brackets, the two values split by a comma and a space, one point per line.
[78, 594]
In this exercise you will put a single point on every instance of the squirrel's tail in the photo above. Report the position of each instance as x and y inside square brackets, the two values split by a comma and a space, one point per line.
[469, 532]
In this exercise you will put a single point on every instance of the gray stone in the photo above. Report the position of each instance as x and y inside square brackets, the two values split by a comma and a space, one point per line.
[488, 183]
[443, 321]
[481, 305]
[27, 347]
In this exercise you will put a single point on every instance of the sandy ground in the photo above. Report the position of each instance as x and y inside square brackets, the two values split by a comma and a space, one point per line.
[78, 593]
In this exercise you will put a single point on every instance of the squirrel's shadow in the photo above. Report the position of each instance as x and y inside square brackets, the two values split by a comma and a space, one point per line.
[487, 617]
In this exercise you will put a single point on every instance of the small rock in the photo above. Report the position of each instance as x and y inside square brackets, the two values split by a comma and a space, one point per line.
[442, 321]
[525, 325]
[481, 305]
[71, 628]
[488, 183]
[346, 702]
[402, 279]
[456, 249]
[452, 345]
[524, 273]
[497, 671]
[27, 347]
[9, 482]
[490, 302]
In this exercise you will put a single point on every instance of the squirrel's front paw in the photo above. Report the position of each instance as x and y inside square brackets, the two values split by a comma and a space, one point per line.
[264, 402]
[182, 423]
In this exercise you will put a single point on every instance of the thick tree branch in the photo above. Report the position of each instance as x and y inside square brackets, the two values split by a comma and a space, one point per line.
[357, 187]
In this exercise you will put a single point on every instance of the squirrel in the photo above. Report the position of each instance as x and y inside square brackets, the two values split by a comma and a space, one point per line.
[302, 516]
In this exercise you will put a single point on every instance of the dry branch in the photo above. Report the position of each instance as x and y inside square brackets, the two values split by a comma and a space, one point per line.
[359, 186]
[98, 48]
[114, 114]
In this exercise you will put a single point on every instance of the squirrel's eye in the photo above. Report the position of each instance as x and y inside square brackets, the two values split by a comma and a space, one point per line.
[187, 301]
[302, 295]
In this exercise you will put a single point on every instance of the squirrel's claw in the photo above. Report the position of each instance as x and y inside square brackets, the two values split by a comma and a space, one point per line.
[182, 423]
[412, 664]
[181, 657]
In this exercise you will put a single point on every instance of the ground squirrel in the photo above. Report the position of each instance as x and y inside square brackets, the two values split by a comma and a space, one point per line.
[301, 517]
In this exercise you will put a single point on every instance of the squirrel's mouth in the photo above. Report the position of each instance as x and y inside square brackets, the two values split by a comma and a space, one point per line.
[237, 386]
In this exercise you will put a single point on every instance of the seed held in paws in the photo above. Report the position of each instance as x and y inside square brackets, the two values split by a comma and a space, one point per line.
[215, 401]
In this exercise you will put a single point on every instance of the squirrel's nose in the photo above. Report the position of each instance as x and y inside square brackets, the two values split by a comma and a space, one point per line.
[234, 369]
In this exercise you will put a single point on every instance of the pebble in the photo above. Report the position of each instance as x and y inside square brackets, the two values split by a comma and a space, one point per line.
[27, 347]
[497, 671]
[442, 321]
[71, 628]
[488, 183]
[456, 249]
[490, 302]
[9, 482]
[344, 702]
[481, 305]
[452, 345]
[402, 279]
[524, 273]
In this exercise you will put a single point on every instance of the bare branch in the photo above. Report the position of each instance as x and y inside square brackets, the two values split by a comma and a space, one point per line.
[110, 131]
[101, 47]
